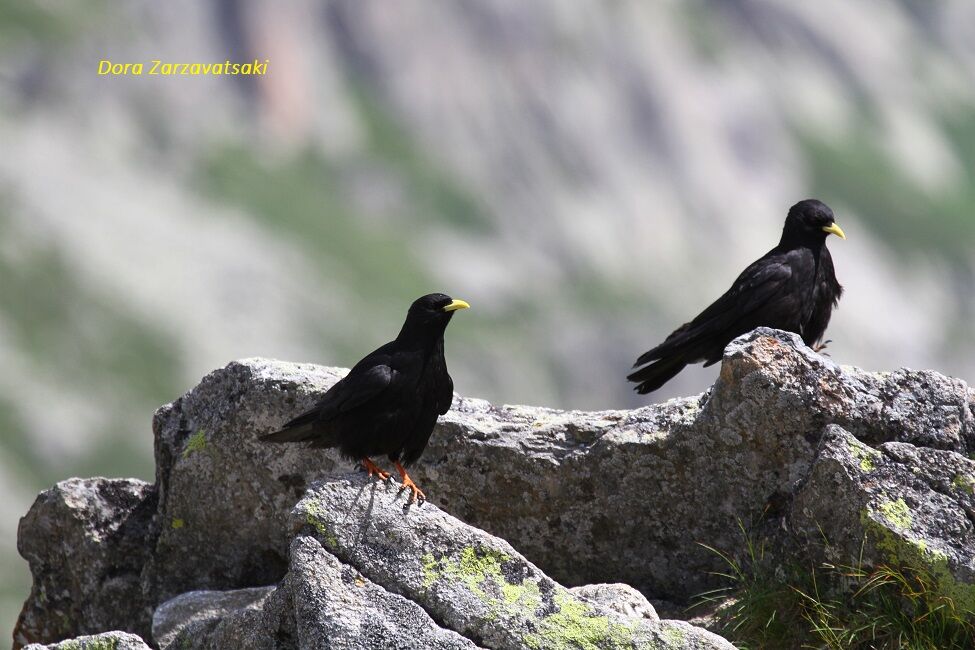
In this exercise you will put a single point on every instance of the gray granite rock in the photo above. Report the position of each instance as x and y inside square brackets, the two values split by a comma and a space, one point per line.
[618, 597]
[897, 505]
[202, 610]
[468, 580]
[321, 603]
[225, 496]
[335, 606]
[104, 641]
[86, 542]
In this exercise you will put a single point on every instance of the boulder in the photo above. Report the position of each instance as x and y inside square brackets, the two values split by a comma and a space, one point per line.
[321, 603]
[104, 641]
[224, 497]
[468, 580]
[898, 505]
[618, 597]
[194, 613]
[86, 541]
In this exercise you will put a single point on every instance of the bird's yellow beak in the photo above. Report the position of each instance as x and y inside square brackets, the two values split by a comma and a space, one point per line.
[834, 229]
[455, 305]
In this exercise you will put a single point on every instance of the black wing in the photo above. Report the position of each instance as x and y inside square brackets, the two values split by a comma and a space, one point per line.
[445, 394]
[362, 385]
[761, 290]
[761, 295]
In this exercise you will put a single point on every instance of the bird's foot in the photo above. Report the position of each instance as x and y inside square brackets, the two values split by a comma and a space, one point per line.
[374, 469]
[819, 347]
[417, 494]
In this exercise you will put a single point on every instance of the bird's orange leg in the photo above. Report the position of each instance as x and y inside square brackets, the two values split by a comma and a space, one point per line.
[372, 468]
[408, 483]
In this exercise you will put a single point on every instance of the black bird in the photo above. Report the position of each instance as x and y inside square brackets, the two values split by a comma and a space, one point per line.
[792, 287]
[389, 402]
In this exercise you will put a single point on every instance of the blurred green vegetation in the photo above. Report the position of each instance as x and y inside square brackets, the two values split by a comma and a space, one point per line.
[912, 220]
[55, 25]
[434, 193]
[75, 336]
[303, 198]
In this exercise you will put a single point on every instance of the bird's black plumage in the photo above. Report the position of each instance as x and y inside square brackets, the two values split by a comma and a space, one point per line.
[389, 402]
[792, 287]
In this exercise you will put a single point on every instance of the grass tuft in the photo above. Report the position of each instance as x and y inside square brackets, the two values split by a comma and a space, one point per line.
[771, 605]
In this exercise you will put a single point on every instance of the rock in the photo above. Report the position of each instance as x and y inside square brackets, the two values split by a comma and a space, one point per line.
[104, 641]
[627, 495]
[333, 603]
[202, 609]
[587, 497]
[468, 580]
[618, 597]
[580, 493]
[86, 542]
[225, 496]
[320, 603]
[898, 505]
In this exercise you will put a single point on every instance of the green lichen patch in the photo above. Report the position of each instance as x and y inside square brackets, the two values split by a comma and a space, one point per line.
[675, 636]
[431, 571]
[559, 621]
[477, 569]
[865, 456]
[177, 523]
[576, 626]
[196, 442]
[316, 516]
[964, 483]
[88, 644]
[902, 551]
[897, 513]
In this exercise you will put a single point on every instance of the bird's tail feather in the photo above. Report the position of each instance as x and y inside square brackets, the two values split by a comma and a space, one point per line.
[297, 433]
[657, 374]
[294, 430]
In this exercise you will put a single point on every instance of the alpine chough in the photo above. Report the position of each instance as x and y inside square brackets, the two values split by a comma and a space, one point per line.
[792, 287]
[389, 402]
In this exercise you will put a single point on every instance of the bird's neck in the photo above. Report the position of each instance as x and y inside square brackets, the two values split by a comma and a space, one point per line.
[793, 241]
[423, 337]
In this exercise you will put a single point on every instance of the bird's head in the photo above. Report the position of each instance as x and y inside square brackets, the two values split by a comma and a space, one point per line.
[431, 313]
[810, 222]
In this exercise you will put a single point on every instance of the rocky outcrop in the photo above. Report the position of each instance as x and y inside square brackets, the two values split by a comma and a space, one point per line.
[225, 496]
[105, 641]
[468, 580]
[193, 615]
[368, 570]
[86, 542]
[898, 504]
[585, 497]
[618, 597]
[618, 496]
[320, 603]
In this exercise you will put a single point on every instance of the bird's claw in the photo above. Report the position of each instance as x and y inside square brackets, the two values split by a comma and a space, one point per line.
[374, 470]
[416, 494]
[819, 347]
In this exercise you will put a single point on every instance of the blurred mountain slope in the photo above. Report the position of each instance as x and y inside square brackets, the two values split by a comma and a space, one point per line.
[587, 175]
